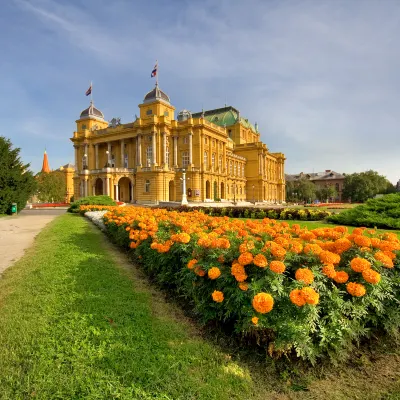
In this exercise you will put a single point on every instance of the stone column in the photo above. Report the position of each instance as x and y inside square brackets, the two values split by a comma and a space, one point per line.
[76, 158]
[164, 160]
[154, 145]
[86, 188]
[184, 198]
[139, 150]
[87, 155]
[107, 186]
[190, 148]
[175, 151]
[116, 192]
[109, 154]
[96, 151]
[122, 153]
[94, 190]
[132, 192]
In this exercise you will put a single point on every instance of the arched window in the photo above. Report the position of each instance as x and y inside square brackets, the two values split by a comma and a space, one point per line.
[147, 186]
[185, 159]
[205, 159]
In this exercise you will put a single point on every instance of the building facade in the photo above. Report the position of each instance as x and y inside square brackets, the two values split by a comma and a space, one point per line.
[215, 154]
[322, 179]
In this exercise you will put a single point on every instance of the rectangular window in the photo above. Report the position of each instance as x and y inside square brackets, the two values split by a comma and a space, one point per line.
[185, 159]
[220, 164]
[185, 140]
[149, 155]
[147, 186]
[213, 160]
[205, 160]
[126, 161]
[149, 112]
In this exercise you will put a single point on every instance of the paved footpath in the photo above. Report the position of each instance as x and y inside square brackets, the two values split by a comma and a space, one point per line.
[18, 232]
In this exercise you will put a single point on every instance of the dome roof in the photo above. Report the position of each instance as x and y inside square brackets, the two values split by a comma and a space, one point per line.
[92, 111]
[156, 94]
[184, 115]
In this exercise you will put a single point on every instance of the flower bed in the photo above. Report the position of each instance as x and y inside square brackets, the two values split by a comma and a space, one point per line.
[257, 213]
[44, 205]
[314, 293]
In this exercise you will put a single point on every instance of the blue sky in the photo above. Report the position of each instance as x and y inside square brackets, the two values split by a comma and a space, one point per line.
[321, 78]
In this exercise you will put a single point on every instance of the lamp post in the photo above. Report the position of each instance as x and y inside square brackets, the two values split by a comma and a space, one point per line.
[108, 159]
[254, 198]
[184, 198]
[85, 166]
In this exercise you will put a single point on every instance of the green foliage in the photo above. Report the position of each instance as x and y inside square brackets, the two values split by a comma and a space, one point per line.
[300, 190]
[383, 212]
[51, 187]
[91, 200]
[359, 187]
[17, 183]
[327, 192]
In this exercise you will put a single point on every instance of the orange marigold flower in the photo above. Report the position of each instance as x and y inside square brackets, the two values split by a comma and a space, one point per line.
[342, 245]
[243, 286]
[341, 277]
[355, 289]
[329, 258]
[192, 263]
[214, 273]
[297, 298]
[260, 261]
[217, 296]
[199, 271]
[312, 248]
[384, 259]
[359, 264]
[278, 252]
[277, 266]
[391, 255]
[254, 320]
[329, 270]
[362, 241]
[221, 259]
[310, 295]
[371, 276]
[245, 258]
[263, 302]
[375, 242]
[358, 231]
[296, 247]
[305, 275]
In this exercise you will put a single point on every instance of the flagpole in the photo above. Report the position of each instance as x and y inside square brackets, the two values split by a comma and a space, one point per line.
[91, 92]
[157, 73]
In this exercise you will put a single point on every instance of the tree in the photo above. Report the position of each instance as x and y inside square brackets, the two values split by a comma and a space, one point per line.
[17, 183]
[324, 193]
[300, 190]
[360, 187]
[51, 186]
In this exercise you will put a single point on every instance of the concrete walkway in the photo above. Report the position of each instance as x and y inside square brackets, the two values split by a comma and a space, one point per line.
[17, 233]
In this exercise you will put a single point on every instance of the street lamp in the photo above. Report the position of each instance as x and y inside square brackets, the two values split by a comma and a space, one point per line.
[183, 179]
[254, 198]
[108, 159]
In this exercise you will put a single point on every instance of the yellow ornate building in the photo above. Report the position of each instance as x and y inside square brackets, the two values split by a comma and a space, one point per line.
[215, 154]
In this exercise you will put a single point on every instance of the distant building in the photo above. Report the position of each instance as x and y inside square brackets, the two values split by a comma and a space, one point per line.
[398, 185]
[322, 179]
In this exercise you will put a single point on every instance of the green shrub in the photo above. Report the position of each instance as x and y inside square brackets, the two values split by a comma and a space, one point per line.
[93, 201]
[383, 212]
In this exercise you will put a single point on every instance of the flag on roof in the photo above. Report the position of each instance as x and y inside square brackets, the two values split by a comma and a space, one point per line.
[154, 72]
[89, 91]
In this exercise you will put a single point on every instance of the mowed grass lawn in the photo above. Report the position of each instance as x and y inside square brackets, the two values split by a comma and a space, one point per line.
[77, 321]
[73, 325]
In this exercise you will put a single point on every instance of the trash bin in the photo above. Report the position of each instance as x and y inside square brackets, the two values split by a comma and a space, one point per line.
[13, 208]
